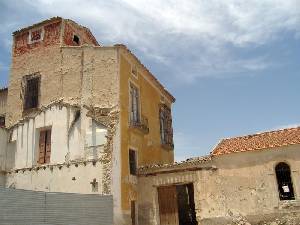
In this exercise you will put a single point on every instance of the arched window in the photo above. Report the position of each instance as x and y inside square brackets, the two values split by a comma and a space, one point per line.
[284, 181]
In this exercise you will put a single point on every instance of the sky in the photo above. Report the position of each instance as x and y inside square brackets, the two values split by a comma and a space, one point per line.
[233, 66]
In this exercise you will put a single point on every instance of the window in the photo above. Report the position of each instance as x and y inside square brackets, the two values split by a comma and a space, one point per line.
[44, 146]
[76, 39]
[2, 121]
[166, 130]
[36, 35]
[284, 181]
[134, 107]
[132, 162]
[133, 213]
[32, 93]
[95, 134]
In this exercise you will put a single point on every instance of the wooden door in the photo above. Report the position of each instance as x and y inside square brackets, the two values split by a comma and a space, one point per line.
[168, 207]
[42, 147]
[48, 146]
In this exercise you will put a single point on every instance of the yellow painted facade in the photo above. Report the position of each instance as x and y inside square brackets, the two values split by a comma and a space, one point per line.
[148, 146]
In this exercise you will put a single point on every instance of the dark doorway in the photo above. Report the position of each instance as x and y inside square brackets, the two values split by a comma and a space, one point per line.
[186, 204]
[284, 181]
[176, 205]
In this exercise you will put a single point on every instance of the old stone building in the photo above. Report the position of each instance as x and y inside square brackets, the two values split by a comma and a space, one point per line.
[80, 117]
[247, 180]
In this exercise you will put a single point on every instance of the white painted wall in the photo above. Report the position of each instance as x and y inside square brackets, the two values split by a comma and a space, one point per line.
[71, 168]
[70, 179]
[68, 139]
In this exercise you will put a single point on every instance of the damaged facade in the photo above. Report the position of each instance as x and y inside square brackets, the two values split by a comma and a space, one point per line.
[79, 117]
[246, 180]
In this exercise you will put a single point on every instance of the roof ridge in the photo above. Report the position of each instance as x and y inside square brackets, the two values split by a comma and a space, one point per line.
[37, 24]
[262, 140]
[261, 133]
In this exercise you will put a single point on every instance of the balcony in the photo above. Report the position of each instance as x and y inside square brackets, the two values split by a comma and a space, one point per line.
[140, 125]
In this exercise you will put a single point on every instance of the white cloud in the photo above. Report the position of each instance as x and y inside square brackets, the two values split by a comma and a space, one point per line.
[194, 37]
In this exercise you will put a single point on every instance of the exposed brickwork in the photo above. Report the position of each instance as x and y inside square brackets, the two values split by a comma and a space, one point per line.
[51, 37]
[71, 29]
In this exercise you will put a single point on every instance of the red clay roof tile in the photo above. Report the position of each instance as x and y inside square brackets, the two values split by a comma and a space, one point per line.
[270, 139]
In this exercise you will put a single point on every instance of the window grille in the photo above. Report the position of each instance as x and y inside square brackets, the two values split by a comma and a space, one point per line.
[32, 93]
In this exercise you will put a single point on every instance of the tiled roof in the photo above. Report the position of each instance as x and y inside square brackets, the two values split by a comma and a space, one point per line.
[265, 140]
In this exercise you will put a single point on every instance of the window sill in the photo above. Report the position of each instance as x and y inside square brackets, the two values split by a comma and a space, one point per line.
[139, 127]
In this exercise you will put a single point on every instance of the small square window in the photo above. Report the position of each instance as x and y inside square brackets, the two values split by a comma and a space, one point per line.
[36, 35]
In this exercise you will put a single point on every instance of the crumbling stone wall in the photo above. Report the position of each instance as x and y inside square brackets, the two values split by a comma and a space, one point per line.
[71, 28]
[241, 188]
[85, 74]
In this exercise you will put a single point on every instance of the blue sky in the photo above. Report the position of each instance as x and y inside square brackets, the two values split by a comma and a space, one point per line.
[232, 65]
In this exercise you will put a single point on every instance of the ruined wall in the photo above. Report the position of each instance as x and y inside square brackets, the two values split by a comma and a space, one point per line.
[69, 178]
[71, 29]
[69, 73]
[3, 101]
[69, 136]
[245, 184]
[41, 58]
[77, 147]
[148, 208]
[100, 77]
[147, 145]
[241, 190]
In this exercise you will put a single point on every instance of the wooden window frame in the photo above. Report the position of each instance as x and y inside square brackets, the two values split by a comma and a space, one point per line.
[31, 98]
[135, 104]
[44, 146]
[32, 31]
[166, 128]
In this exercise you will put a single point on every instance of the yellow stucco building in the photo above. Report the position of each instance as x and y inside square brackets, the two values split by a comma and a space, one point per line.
[92, 115]
[145, 139]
